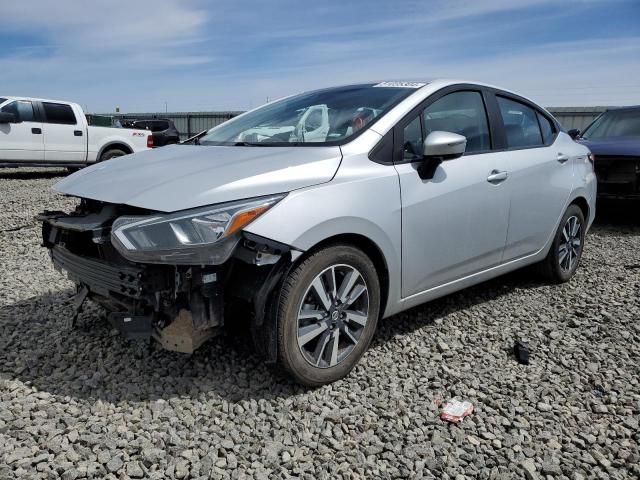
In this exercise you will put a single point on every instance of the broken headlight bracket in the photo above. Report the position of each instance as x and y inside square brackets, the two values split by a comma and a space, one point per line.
[256, 250]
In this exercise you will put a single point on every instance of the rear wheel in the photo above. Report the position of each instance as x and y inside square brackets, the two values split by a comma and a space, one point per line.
[112, 153]
[566, 251]
[327, 314]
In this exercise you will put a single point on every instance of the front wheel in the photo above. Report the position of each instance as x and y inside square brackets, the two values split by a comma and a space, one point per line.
[564, 257]
[327, 314]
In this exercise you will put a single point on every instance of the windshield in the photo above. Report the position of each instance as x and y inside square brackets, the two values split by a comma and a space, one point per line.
[323, 117]
[614, 123]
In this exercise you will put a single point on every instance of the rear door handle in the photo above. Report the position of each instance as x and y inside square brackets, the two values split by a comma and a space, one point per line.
[36, 131]
[496, 176]
[77, 133]
[562, 158]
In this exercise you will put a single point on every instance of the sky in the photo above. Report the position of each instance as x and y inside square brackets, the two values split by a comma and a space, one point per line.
[197, 55]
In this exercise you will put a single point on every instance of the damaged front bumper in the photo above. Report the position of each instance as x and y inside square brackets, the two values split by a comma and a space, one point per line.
[181, 306]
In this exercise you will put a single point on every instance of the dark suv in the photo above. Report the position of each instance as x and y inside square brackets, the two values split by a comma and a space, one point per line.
[614, 140]
[163, 130]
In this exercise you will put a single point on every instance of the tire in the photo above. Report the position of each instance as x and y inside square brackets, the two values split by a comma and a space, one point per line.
[349, 325]
[559, 267]
[112, 153]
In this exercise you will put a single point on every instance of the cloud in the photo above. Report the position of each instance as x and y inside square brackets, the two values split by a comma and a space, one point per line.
[199, 55]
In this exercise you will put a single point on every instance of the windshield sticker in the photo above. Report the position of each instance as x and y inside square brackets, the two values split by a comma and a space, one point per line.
[401, 84]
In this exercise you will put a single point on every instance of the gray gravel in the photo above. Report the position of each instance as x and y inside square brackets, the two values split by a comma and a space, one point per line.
[86, 403]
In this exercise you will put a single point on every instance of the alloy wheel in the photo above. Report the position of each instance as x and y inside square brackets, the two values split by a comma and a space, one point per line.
[570, 243]
[332, 316]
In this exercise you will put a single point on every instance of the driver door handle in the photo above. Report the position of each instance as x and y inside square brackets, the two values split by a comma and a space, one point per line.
[497, 176]
[562, 158]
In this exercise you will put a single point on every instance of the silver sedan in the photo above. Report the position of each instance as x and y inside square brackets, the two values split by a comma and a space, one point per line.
[324, 212]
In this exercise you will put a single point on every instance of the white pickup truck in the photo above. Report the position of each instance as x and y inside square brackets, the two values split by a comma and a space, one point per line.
[45, 133]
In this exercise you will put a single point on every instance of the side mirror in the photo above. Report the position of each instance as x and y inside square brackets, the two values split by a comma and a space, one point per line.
[6, 117]
[440, 146]
[574, 133]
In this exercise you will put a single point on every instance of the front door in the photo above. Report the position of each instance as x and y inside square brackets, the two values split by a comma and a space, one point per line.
[454, 224]
[22, 141]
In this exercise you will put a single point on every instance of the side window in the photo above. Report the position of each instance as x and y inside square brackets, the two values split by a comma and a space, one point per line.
[412, 141]
[520, 123]
[462, 113]
[546, 127]
[22, 109]
[59, 113]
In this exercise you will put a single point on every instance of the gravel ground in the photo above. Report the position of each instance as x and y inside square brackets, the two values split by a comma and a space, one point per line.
[86, 403]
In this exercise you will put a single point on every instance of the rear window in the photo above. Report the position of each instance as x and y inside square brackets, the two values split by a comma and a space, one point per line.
[2, 100]
[59, 113]
[520, 124]
[546, 127]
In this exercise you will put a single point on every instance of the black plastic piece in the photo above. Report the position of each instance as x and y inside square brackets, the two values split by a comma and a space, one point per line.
[383, 151]
[264, 245]
[207, 306]
[78, 302]
[132, 326]
[521, 351]
[36, 131]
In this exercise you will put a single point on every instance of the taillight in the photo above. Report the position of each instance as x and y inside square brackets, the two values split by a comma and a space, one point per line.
[150, 141]
[592, 158]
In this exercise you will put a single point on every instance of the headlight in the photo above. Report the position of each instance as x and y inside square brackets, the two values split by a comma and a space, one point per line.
[202, 236]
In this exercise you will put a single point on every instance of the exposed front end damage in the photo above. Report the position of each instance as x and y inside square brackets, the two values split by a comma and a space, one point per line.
[181, 306]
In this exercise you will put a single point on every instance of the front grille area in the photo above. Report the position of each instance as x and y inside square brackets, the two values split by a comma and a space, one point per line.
[101, 277]
[618, 176]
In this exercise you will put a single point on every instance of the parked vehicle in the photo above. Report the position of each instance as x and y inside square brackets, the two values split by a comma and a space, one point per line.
[415, 191]
[614, 140]
[45, 133]
[163, 130]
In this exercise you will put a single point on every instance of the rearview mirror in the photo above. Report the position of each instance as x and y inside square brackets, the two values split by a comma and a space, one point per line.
[6, 117]
[440, 146]
[574, 133]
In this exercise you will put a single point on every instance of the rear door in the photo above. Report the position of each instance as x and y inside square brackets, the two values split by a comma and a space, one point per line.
[454, 224]
[22, 141]
[541, 175]
[64, 134]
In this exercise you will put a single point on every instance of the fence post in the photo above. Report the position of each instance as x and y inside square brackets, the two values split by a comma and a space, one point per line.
[188, 125]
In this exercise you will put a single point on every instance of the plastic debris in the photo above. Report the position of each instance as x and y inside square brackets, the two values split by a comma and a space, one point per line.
[455, 410]
[521, 351]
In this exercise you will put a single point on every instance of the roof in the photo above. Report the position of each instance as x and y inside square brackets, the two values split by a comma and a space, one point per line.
[11, 97]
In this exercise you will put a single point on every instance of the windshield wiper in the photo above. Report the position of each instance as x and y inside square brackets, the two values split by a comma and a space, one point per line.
[246, 144]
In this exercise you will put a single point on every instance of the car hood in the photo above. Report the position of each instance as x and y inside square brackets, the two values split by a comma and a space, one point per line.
[613, 146]
[180, 177]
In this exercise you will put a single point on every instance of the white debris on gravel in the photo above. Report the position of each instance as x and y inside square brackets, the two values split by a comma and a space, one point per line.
[85, 403]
